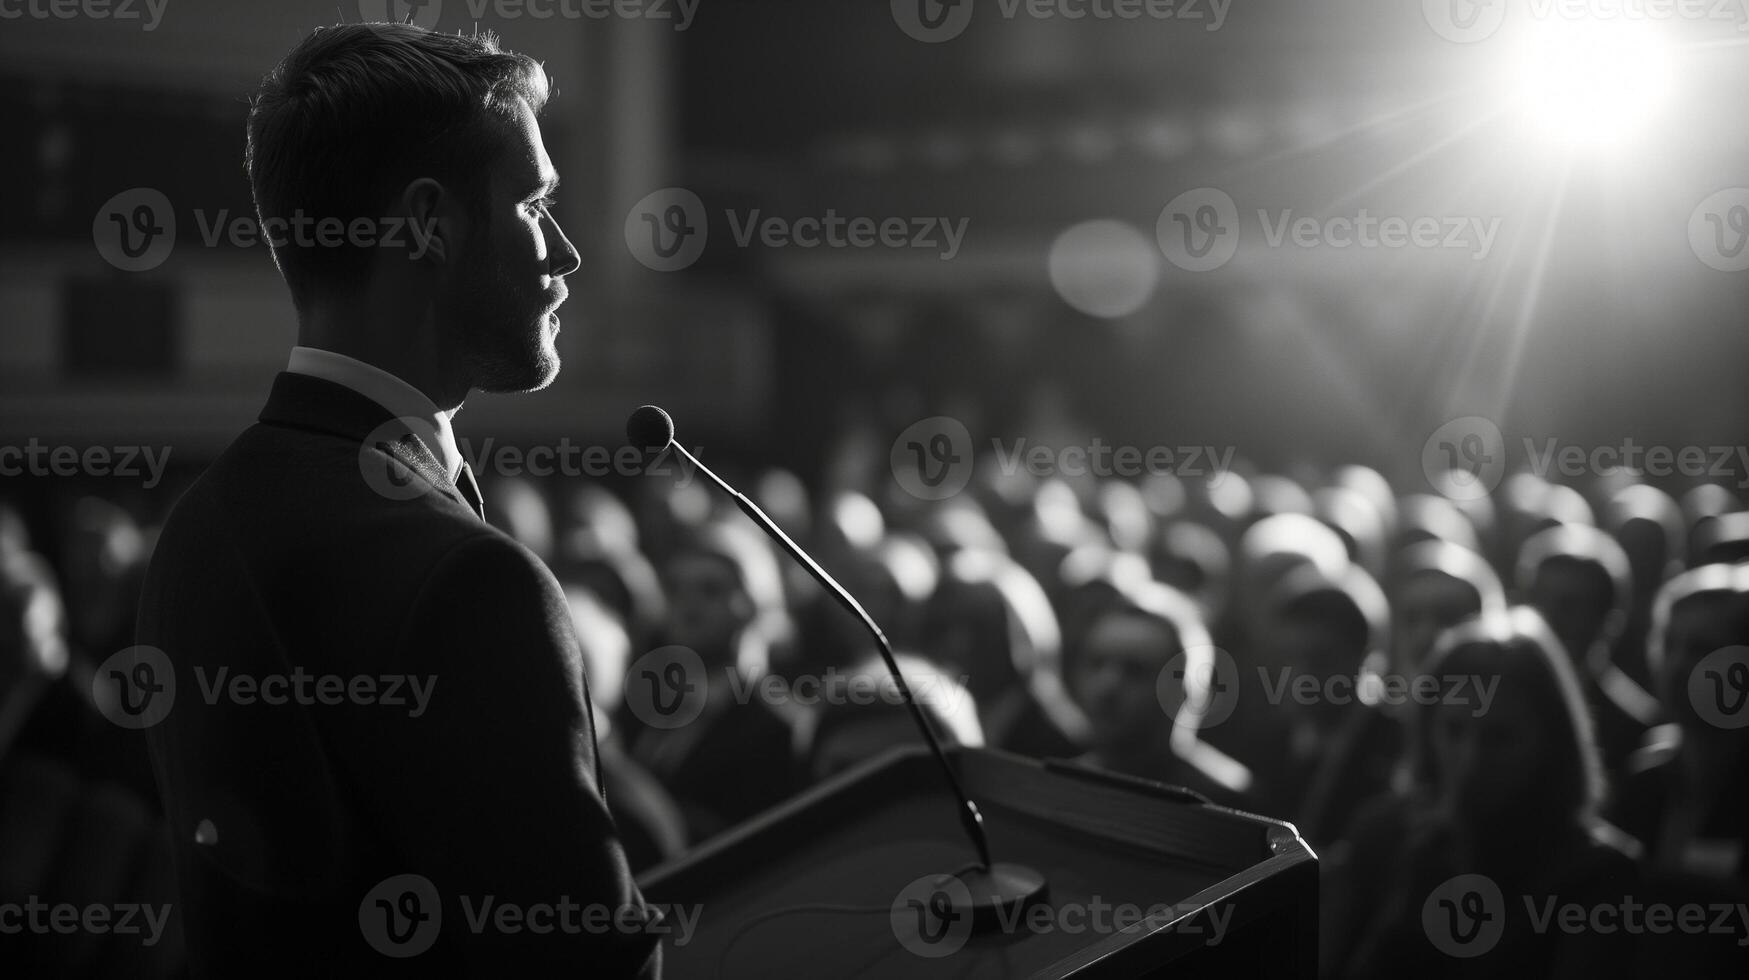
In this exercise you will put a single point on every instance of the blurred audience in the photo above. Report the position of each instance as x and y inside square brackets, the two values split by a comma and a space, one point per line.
[1283, 642]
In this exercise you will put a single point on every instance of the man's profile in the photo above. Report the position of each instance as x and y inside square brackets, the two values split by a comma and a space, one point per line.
[336, 553]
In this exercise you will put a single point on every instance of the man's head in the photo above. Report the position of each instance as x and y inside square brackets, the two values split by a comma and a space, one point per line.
[421, 153]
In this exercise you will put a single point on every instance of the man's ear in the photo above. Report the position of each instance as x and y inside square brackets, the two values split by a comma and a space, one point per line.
[436, 221]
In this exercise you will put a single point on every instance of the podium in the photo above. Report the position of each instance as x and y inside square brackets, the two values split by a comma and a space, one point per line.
[1144, 880]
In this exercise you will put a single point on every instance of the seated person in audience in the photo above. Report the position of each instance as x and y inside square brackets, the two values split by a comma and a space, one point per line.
[1647, 523]
[1428, 517]
[14, 536]
[1486, 519]
[651, 825]
[1510, 793]
[1531, 504]
[1349, 513]
[1722, 538]
[1580, 580]
[1699, 503]
[519, 509]
[1058, 525]
[1192, 558]
[1371, 485]
[736, 758]
[893, 580]
[1321, 630]
[1143, 717]
[68, 835]
[1685, 793]
[990, 622]
[862, 716]
[1438, 585]
[597, 548]
[103, 556]
[1267, 552]
[1123, 512]
[33, 639]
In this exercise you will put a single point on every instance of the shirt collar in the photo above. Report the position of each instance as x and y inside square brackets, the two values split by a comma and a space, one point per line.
[398, 397]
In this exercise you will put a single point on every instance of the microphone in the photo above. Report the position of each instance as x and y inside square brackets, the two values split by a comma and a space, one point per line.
[992, 889]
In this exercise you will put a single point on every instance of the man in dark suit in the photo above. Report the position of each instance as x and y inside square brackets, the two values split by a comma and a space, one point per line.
[377, 752]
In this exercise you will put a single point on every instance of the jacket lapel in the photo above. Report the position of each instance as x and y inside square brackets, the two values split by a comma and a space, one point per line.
[410, 467]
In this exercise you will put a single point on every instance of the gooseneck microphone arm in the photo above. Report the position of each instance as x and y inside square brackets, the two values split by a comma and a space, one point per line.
[644, 426]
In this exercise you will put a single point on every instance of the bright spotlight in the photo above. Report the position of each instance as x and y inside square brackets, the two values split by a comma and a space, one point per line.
[1592, 83]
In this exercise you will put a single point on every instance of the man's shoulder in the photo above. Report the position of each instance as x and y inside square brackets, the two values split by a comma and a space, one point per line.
[308, 517]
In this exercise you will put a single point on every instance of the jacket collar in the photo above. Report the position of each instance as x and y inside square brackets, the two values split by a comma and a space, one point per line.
[299, 401]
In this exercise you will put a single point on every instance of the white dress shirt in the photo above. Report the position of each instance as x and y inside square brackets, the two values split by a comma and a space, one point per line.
[400, 398]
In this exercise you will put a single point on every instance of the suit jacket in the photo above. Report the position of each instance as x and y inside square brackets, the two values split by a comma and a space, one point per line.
[340, 829]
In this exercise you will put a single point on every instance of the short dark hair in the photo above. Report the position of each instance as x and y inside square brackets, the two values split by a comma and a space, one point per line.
[356, 111]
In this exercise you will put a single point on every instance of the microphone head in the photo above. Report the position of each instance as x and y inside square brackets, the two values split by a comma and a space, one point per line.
[649, 428]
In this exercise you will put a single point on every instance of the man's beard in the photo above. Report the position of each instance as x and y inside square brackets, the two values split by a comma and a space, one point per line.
[503, 333]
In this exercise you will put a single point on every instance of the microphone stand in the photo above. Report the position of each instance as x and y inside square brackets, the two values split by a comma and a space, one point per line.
[992, 888]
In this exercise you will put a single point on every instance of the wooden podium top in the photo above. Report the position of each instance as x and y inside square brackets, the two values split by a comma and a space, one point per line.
[839, 882]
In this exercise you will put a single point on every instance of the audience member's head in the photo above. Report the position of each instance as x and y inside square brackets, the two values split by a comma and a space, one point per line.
[519, 509]
[862, 715]
[1438, 585]
[1696, 613]
[1192, 558]
[599, 521]
[1722, 538]
[104, 555]
[1276, 545]
[1356, 518]
[722, 583]
[1647, 523]
[14, 536]
[1277, 494]
[1528, 761]
[607, 648]
[33, 637]
[991, 621]
[1324, 626]
[1124, 512]
[1429, 517]
[1372, 485]
[1579, 579]
[1117, 671]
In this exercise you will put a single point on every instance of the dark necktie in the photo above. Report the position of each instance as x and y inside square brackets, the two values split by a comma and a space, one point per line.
[464, 481]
